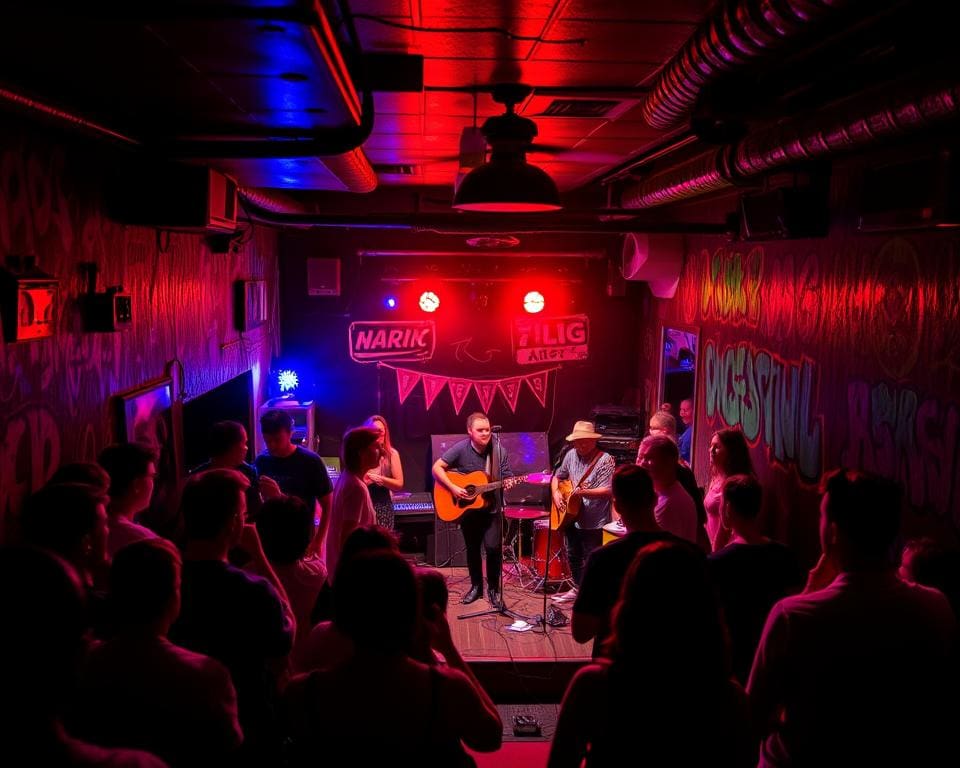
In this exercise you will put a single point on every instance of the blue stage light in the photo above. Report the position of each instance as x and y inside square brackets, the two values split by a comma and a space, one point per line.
[288, 380]
[390, 302]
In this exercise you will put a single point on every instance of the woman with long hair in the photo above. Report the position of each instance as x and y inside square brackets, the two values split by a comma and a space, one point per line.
[387, 477]
[352, 507]
[664, 693]
[729, 455]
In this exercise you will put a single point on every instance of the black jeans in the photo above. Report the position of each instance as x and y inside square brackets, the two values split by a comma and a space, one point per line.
[579, 546]
[481, 527]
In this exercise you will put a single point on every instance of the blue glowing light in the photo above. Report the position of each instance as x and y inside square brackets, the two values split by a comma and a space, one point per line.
[288, 380]
[390, 302]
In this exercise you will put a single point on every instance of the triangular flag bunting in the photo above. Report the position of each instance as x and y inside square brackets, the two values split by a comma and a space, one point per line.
[406, 381]
[510, 389]
[538, 384]
[485, 391]
[459, 389]
[432, 386]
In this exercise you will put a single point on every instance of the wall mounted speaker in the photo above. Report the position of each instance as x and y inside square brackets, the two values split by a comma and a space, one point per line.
[323, 277]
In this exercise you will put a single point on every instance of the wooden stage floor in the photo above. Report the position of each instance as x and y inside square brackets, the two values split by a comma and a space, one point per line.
[485, 638]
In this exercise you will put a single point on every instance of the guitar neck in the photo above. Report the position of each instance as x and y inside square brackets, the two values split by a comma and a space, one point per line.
[496, 484]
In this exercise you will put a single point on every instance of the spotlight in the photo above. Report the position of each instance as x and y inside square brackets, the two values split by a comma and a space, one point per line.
[288, 380]
[429, 301]
[390, 302]
[533, 302]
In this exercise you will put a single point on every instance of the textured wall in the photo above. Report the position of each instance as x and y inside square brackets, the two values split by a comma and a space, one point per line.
[827, 353]
[53, 393]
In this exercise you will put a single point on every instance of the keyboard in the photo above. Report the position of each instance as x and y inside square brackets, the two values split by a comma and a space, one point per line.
[413, 504]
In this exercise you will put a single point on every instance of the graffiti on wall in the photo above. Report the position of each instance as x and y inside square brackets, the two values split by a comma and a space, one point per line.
[730, 287]
[768, 397]
[893, 432]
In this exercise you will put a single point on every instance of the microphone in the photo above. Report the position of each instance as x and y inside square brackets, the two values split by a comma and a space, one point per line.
[496, 428]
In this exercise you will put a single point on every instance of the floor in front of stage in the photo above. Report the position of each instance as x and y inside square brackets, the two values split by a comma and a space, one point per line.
[486, 638]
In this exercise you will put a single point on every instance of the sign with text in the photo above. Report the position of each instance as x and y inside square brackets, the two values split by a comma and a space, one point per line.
[392, 340]
[550, 339]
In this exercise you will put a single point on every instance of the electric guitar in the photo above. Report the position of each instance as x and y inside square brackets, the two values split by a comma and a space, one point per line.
[476, 484]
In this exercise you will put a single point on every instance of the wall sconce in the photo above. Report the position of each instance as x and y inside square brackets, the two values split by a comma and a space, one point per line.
[28, 300]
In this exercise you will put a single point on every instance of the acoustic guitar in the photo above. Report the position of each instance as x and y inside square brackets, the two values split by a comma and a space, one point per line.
[566, 514]
[476, 484]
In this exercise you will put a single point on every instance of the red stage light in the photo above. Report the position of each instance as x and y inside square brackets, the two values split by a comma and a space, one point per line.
[429, 301]
[533, 302]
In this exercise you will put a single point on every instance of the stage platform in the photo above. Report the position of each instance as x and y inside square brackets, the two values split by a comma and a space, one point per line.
[531, 666]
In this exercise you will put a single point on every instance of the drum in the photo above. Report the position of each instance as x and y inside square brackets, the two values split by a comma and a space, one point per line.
[613, 531]
[556, 563]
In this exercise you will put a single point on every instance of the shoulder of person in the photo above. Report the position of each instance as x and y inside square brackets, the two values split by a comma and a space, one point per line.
[306, 453]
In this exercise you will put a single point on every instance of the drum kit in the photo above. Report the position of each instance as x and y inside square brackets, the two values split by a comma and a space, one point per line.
[547, 565]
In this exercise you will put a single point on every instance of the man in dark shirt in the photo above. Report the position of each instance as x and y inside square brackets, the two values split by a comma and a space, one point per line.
[481, 526]
[751, 573]
[633, 499]
[239, 617]
[293, 470]
[228, 450]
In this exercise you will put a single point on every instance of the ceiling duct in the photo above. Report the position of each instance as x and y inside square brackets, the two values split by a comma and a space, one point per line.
[741, 33]
[657, 259]
[858, 123]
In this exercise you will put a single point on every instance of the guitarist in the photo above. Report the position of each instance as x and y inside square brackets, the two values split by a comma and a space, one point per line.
[590, 472]
[480, 526]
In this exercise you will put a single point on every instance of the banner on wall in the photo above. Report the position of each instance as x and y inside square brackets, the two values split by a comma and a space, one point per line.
[550, 339]
[409, 340]
[486, 389]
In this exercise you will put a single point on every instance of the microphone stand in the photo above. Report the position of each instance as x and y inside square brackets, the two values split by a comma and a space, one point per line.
[501, 609]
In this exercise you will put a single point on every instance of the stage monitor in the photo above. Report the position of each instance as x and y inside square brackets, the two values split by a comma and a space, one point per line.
[527, 452]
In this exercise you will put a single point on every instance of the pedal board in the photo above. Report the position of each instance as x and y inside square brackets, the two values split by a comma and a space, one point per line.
[526, 725]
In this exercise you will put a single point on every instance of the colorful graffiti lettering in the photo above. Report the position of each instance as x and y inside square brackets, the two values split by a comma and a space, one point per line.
[769, 398]
[893, 433]
[731, 286]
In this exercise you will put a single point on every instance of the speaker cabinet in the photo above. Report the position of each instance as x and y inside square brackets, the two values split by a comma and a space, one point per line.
[323, 277]
[445, 546]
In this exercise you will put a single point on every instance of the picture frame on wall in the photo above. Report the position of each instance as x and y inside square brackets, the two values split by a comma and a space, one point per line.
[147, 414]
[249, 304]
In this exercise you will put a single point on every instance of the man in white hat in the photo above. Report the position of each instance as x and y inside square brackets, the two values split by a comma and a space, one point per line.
[590, 472]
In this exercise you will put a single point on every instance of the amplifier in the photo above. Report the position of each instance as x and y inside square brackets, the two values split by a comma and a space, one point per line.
[623, 449]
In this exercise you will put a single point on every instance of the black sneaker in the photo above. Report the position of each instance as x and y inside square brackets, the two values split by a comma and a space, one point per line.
[473, 594]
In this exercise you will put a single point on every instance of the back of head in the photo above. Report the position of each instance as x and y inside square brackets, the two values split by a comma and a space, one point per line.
[865, 508]
[376, 602]
[225, 436]
[45, 621]
[744, 495]
[285, 526]
[83, 472]
[367, 538]
[125, 463]
[633, 491]
[276, 420]
[63, 518]
[666, 422]
[355, 441]
[210, 502]
[668, 616]
[145, 582]
[433, 589]
[663, 446]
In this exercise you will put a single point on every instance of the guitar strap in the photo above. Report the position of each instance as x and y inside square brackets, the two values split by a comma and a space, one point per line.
[586, 474]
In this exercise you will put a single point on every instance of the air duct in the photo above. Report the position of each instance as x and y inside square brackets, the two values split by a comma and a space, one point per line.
[857, 123]
[740, 34]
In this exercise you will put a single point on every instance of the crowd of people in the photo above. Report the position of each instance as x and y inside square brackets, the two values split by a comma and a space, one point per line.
[273, 620]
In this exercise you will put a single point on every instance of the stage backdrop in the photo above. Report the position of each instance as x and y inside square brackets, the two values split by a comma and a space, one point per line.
[53, 393]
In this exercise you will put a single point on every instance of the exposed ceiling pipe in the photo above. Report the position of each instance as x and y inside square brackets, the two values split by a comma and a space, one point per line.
[739, 34]
[853, 124]
[457, 224]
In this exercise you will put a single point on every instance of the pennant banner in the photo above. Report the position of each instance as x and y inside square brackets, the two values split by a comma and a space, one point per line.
[510, 389]
[538, 385]
[406, 381]
[459, 389]
[486, 391]
[432, 386]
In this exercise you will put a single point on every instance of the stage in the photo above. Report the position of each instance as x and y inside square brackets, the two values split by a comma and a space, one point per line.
[531, 666]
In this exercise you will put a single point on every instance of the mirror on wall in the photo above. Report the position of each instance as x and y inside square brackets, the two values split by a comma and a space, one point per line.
[678, 381]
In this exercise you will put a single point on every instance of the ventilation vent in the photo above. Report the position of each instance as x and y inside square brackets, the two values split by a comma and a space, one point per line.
[581, 108]
[395, 169]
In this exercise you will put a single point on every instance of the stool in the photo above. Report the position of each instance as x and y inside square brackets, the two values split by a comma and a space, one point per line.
[513, 551]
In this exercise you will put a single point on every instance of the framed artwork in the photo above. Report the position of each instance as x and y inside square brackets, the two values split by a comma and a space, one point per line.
[249, 304]
[146, 415]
